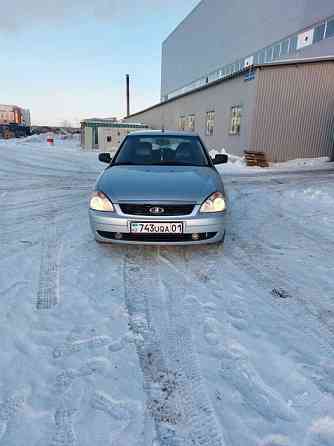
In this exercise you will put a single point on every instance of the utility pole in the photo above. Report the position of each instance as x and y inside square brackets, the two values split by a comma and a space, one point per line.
[127, 95]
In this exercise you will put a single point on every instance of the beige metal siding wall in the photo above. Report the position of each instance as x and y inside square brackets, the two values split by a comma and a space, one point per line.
[219, 98]
[294, 115]
[117, 135]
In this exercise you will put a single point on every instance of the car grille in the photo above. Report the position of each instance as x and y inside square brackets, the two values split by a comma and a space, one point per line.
[168, 209]
[157, 238]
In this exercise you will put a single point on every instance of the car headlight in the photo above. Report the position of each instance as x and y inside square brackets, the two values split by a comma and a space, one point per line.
[215, 203]
[100, 202]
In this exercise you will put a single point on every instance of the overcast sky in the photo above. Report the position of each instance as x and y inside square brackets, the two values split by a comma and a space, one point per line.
[67, 59]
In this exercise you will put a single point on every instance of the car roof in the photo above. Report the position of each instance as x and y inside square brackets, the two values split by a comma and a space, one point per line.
[161, 133]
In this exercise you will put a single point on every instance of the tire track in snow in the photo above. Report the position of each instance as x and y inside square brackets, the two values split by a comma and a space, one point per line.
[48, 287]
[257, 258]
[45, 167]
[9, 410]
[172, 380]
[59, 202]
[236, 366]
[266, 277]
[25, 186]
[269, 275]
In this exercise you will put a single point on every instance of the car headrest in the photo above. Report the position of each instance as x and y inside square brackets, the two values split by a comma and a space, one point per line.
[143, 149]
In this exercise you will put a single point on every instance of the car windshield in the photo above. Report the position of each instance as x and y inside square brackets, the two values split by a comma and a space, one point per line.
[162, 150]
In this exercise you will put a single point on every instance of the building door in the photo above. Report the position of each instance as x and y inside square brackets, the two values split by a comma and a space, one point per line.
[95, 138]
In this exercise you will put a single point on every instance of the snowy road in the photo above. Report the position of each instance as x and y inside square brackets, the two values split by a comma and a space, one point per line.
[171, 346]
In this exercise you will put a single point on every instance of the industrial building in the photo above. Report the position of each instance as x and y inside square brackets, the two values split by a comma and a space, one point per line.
[105, 134]
[251, 76]
[14, 121]
[285, 109]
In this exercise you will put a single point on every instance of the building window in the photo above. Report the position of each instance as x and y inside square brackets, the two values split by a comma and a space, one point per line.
[293, 44]
[235, 120]
[285, 48]
[277, 51]
[319, 33]
[182, 123]
[261, 57]
[191, 123]
[108, 138]
[330, 28]
[95, 136]
[210, 123]
[269, 54]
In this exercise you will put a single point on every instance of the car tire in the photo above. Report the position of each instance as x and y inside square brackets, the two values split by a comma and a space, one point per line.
[221, 242]
[223, 238]
[98, 240]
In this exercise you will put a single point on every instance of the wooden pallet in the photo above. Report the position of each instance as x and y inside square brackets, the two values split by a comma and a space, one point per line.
[257, 159]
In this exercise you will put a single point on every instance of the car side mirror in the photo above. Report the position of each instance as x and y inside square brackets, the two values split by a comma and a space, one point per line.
[220, 159]
[105, 158]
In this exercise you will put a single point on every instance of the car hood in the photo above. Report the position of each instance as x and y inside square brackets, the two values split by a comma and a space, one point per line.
[159, 183]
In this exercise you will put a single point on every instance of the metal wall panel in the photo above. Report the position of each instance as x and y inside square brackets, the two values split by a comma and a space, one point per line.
[219, 32]
[294, 115]
[219, 98]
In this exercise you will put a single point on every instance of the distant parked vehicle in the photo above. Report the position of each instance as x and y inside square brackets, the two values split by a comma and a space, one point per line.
[160, 188]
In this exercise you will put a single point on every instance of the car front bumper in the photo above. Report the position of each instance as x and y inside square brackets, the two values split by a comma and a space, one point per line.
[114, 227]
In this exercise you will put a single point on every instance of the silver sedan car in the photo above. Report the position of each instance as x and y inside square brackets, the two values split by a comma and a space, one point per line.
[160, 188]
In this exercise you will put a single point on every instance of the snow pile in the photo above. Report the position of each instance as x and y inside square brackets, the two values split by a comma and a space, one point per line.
[67, 140]
[40, 141]
[301, 162]
[235, 163]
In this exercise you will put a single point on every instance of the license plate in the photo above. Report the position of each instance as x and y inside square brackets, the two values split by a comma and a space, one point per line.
[156, 228]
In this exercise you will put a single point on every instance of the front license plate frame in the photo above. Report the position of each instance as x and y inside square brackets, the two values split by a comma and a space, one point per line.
[157, 227]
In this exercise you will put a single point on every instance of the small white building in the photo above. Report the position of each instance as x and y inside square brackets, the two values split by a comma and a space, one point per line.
[105, 135]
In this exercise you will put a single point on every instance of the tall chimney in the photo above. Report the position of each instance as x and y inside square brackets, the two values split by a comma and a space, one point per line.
[127, 95]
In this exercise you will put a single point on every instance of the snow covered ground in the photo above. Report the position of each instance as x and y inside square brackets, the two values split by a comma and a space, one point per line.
[113, 345]
[238, 164]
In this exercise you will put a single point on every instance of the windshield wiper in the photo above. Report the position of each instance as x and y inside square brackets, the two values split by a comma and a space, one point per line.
[129, 163]
[125, 163]
[181, 164]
